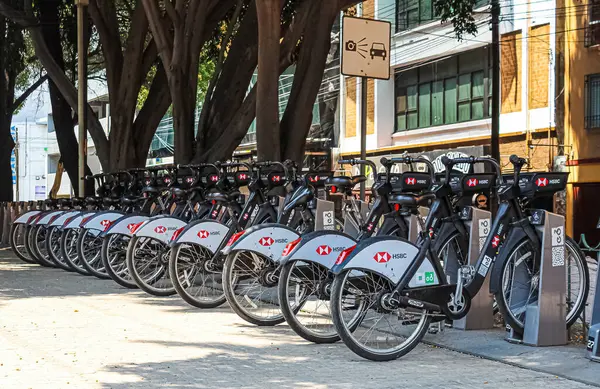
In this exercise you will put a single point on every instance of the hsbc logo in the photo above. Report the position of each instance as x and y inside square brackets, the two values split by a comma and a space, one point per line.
[410, 181]
[131, 226]
[554, 181]
[472, 182]
[382, 257]
[266, 242]
[541, 182]
[160, 229]
[105, 223]
[324, 250]
[496, 241]
[203, 234]
[276, 178]
[214, 178]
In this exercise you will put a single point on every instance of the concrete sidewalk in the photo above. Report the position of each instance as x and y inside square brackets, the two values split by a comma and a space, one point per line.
[63, 330]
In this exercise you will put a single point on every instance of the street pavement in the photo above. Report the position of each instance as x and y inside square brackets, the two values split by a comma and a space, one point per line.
[63, 330]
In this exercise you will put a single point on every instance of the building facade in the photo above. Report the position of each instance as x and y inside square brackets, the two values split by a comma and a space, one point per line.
[438, 100]
[579, 46]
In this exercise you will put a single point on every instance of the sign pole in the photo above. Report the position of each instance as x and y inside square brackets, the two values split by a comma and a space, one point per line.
[363, 133]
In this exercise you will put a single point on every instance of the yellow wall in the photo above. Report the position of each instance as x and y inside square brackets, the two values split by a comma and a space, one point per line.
[579, 61]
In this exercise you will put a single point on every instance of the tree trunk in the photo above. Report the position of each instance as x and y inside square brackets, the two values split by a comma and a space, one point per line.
[297, 118]
[267, 85]
[6, 146]
[61, 110]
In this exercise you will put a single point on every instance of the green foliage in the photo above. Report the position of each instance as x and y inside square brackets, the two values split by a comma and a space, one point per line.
[460, 13]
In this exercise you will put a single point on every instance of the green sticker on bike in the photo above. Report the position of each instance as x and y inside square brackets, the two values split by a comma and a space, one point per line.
[429, 277]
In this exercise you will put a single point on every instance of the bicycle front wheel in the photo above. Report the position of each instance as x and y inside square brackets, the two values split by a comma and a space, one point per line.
[367, 324]
[305, 294]
[521, 280]
[250, 282]
[195, 276]
[148, 265]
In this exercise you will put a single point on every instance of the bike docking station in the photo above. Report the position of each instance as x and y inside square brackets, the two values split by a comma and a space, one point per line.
[593, 341]
[545, 323]
[351, 228]
[481, 314]
[325, 215]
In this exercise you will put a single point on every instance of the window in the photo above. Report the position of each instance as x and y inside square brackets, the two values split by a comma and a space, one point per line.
[53, 160]
[592, 32]
[592, 101]
[412, 13]
[446, 92]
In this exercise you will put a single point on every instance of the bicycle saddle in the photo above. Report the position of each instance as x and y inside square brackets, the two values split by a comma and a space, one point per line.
[408, 201]
[344, 183]
[129, 200]
[223, 197]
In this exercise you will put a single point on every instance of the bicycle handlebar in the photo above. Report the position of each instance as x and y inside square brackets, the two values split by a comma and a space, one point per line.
[449, 162]
[358, 162]
[408, 160]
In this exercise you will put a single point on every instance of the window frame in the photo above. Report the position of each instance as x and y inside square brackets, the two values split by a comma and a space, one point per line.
[484, 100]
[590, 123]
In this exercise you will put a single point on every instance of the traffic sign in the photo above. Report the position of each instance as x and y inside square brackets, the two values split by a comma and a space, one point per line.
[366, 48]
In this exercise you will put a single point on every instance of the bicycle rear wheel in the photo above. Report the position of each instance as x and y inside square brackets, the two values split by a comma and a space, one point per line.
[521, 277]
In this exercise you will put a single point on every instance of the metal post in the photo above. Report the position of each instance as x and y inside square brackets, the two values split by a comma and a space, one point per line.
[82, 90]
[496, 79]
[363, 132]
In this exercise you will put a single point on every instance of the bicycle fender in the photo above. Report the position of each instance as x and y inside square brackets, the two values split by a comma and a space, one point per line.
[265, 239]
[160, 228]
[206, 233]
[512, 240]
[26, 217]
[125, 225]
[59, 221]
[322, 247]
[101, 220]
[389, 257]
[48, 217]
[36, 218]
[75, 221]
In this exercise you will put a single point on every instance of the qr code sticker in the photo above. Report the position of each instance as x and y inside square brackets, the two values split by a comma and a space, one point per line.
[558, 256]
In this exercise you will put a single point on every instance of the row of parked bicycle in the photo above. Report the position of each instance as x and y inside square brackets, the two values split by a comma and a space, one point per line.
[189, 230]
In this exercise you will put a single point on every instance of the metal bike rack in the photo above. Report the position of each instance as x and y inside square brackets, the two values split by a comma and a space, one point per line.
[481, 314]
[545, 323]
[414, 226]
[325, 217]
[593, 341]
[350, 228]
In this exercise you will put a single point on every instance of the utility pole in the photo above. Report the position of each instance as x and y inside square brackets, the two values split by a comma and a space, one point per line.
[363, 133]
[82, 90]
[495, 79]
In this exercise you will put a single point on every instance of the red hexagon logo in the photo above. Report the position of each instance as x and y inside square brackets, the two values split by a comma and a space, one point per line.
[496, 241]
[203, 234]
[541, 182]
[410, 181]
[324, 250]
[160, 229]
[382, 257]
[266, 241]
[472, 182]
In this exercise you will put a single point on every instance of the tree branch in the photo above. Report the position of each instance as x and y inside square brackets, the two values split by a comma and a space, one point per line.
[17, 103]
